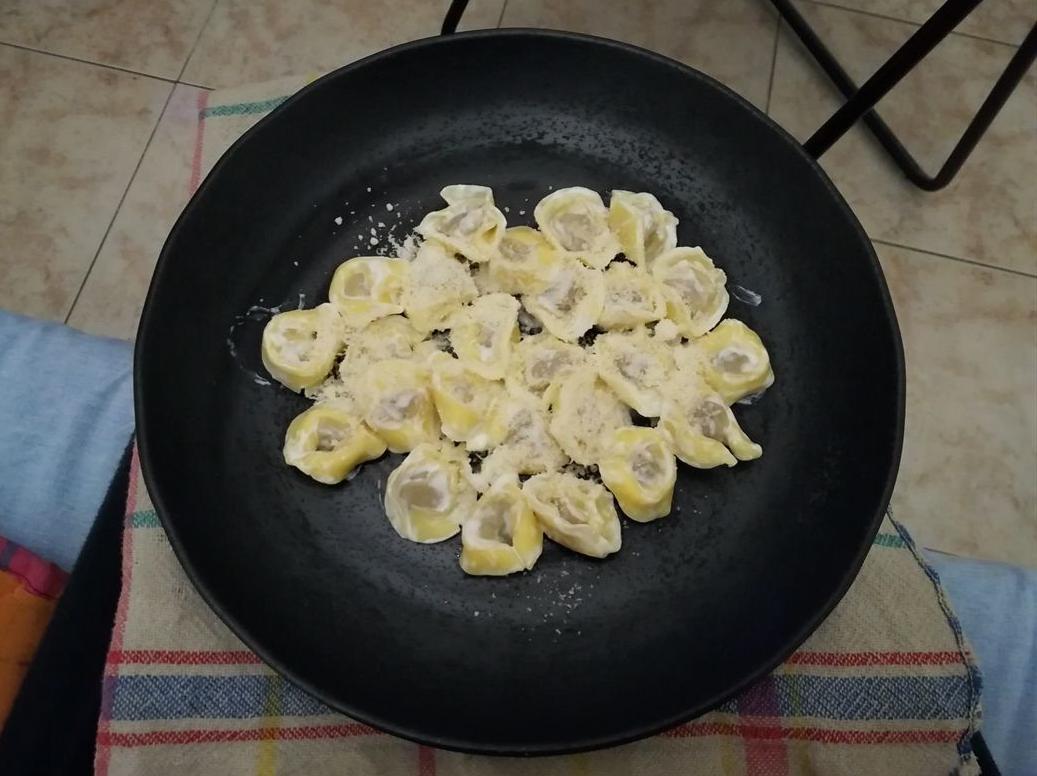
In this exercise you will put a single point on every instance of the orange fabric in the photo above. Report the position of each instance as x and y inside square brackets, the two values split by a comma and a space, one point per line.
[23, 618]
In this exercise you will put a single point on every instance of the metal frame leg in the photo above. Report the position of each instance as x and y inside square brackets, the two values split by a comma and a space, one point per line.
[861, 100]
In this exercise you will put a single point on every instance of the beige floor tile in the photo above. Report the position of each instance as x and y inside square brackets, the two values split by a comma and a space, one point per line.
[968, 480]
[731, 41]
[113, 295]
[149, 36]
[988, 213]
[258, 40]
[70, 137]
[1004, 20]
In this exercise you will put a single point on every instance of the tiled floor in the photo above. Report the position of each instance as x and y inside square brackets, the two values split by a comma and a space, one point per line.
[97, 107]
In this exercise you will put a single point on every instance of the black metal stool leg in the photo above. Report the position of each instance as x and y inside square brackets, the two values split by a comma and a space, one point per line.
[453, 16]
[889, 74]
[1022, 60]
[861, 101]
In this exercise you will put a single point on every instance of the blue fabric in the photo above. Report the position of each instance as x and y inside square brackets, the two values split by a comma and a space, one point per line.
[997, 606]
[66, 415]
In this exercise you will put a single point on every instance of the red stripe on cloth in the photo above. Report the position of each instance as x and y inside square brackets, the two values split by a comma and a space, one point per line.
[853, 659]
[426, 761]
[175, 737]
[174, 657]
[102, 759]
[813, 734]
[196, 157]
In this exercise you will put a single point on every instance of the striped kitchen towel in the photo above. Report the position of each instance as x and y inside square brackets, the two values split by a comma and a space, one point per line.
[887, 685]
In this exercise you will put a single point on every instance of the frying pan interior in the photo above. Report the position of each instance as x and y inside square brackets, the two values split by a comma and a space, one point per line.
[577, 653]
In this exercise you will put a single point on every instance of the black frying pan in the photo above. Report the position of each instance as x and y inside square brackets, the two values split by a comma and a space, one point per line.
[578, 653]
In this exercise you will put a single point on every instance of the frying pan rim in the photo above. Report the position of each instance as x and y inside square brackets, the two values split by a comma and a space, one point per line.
[641, 729]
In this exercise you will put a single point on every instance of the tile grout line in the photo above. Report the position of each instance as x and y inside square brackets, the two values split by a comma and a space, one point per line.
[774, 64]
[197, 39]
[140, 161]
[195, 86]
[887, 18]
[118, 207]
[500, 19]
[81, 61]
[959, 259]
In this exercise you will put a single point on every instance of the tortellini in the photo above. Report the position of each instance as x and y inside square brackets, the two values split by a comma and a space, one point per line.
[576, 222]
[485, 281]
[666, 331]
[736, 363]
[703, 430]
[392, 337]
[542, 359]
[300, 346]
[328, 443]
[514, 367]
[584, 413]
[483, 334]
[696, 291]
[427, 348]
[632, 297]
[643, 227]
[640, 470]
[399, 408]
[524, 261]
[427, 496]
[369, 287]
[576, 513]
[501, 535]
[442, 284]
[521, 440]
[572, 301]
[465, 400]
[470, 224]
[636, 367]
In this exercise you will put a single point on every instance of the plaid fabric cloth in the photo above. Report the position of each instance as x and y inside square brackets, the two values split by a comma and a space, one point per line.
[887, 685]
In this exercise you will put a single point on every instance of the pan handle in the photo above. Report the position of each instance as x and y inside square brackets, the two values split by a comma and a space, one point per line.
[453, 16]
